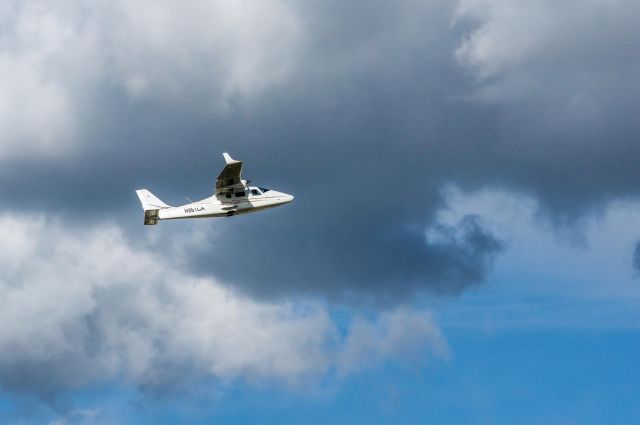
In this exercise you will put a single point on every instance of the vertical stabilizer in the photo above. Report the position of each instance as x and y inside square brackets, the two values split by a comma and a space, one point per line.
[150, 201]
[228, 160]
[151, 205]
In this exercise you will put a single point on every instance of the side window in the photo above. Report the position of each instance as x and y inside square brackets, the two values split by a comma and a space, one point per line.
[227, 195]
[239, 194]
[255, 192]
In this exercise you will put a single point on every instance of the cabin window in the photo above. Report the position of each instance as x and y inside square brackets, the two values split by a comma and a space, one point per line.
[255, 192]
[239, 194]
[227, 195]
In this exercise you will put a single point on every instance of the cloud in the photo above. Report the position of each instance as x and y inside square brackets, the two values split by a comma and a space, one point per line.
[36, 111]
[540, 37]
[364, 112]
[562, 80]
[580, 280]
[386, 263]
[80, 416]
[401, 334]
[85, 306]
[56, 60]
[224, 49]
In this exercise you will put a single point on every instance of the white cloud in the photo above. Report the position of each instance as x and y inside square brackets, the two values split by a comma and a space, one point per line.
[545, 48]
[222, 48]
[399, 334]
[81, 416]
[35, 114]
[508, 33]
[53, 56]
[36, 111]
[83, 306]
[578, 277]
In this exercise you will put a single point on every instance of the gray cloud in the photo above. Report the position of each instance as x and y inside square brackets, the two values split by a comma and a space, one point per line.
[564, 85]
[389, 263]
[81, 308]
[377, 107]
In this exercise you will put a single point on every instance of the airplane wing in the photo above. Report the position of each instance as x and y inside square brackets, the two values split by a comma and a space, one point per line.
[230, 178]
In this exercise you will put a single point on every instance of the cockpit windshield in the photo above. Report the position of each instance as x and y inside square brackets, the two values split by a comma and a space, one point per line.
[264, 189]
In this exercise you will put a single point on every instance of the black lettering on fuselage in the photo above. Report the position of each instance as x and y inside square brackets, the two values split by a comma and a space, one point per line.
[194, 209]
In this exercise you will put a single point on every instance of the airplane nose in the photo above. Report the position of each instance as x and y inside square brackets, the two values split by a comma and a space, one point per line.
[283, 198]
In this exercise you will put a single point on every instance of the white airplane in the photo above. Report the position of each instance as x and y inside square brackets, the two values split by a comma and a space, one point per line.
[233, 196]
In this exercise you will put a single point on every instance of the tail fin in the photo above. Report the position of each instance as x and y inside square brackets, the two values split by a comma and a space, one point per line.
[151, 204]
[150, 201]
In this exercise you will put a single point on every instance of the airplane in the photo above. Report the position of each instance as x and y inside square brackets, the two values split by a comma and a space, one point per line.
[232, 196]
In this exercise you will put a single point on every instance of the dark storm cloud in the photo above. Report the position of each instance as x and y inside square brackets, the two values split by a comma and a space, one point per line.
[385, 262]
[378, 114]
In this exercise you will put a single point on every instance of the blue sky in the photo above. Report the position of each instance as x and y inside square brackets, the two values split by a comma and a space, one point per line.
[461, 245]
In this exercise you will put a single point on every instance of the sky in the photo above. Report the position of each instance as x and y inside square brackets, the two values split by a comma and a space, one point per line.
[464, 244]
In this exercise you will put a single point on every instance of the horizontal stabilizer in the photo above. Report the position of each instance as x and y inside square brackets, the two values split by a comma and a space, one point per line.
[151, 217]
[150, 221]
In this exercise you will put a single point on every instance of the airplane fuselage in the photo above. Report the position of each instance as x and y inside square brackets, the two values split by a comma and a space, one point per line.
[228, 204]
